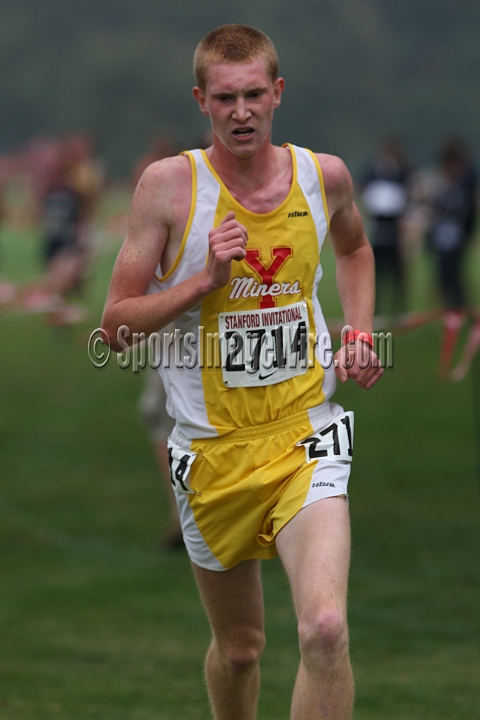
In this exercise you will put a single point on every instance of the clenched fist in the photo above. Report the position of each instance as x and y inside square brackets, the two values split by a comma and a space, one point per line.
[227, 242]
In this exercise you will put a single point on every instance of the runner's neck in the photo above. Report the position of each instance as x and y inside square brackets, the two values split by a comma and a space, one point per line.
[260, 183]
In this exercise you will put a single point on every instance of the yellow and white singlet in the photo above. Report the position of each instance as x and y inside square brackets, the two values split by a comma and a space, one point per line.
[254, 427]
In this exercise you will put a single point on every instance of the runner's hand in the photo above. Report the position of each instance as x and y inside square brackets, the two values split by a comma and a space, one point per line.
[359, 362]
[227, 242]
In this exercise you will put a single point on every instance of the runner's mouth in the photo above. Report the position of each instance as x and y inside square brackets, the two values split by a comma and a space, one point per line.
[243, 133]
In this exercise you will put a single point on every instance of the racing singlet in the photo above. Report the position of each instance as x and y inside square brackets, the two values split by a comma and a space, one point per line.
[251, 352]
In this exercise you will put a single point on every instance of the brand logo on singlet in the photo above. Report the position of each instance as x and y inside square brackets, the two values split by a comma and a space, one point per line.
[297, 213]
[268, 289]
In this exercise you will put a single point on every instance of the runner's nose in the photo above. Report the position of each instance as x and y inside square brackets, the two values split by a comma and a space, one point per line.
[241, 112]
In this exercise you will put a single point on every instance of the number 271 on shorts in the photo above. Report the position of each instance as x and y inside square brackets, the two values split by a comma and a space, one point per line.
[335, 442]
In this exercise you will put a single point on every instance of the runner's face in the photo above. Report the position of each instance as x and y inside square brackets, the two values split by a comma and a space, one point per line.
[240, 99]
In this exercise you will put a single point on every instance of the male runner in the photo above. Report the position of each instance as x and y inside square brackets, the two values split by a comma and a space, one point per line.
[227, 240]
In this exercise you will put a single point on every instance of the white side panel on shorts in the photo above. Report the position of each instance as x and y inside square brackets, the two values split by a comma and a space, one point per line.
[198, 550]
[330, 477]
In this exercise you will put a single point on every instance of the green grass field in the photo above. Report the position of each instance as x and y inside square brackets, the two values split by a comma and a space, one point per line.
[97, 622]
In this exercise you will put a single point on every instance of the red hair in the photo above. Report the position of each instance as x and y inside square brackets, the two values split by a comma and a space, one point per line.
[233, 44]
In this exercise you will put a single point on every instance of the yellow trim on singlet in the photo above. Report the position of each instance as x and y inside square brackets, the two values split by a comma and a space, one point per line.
[193, 203]
[322, 186]
[263, 216]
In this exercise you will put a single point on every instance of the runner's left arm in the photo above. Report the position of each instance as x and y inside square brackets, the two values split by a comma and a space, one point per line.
[355, 272]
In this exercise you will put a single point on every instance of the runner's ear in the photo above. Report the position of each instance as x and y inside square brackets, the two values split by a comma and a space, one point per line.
[199, 96]
[279, 87]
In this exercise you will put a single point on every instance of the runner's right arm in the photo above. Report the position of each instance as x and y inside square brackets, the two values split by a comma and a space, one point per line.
[157, 220]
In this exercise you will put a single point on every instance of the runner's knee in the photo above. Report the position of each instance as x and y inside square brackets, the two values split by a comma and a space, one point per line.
[244, 651]
[323, 638]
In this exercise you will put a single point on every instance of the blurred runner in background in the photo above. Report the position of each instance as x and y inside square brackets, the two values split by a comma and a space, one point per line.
[59, 217]
[384, 194]
[66, 187]
[454, 214]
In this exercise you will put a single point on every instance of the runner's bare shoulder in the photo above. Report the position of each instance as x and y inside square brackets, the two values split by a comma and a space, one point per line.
[337, 179]
[164, 190]
[170, 175]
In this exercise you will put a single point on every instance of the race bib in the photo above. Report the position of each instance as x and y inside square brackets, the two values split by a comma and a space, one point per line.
[264, 347]
[334, 442]
[180, 462]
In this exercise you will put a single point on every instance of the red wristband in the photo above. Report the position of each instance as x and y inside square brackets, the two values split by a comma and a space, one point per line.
[352, 336]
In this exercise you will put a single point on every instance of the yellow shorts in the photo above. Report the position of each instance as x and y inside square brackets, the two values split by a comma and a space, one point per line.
[235, 493]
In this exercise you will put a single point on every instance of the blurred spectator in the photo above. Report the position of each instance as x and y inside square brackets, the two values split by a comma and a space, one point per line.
[66, 183]
[85, 173]
[384, 194]
[60, 214]
[454, 214]
[38, 155]
[454, 211]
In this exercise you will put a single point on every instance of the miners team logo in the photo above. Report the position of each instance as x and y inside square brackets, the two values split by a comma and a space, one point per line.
[267, 289]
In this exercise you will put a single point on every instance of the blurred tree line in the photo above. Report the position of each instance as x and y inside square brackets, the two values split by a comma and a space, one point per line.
[355, 70]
